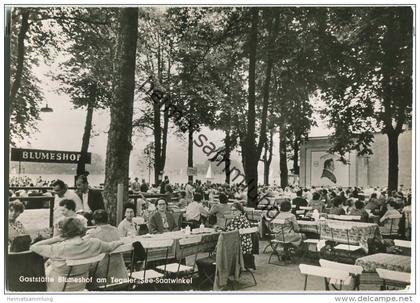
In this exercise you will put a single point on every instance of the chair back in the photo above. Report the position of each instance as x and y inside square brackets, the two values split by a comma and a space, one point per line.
[352, 269]
[71, 263]
[282, 224]
[85, 261]
[249, 230]
[393, 221]
[125, 248]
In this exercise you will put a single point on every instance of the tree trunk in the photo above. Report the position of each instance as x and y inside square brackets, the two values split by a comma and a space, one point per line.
[284, 173]
[157, 134]
[296, 156]
[120, 131]
[20, 55]
[268, 157]
[226, 156]
[266, 170]
[190, 152]
[249, 149]
[86, 138]
[393, 160]
[266, 86]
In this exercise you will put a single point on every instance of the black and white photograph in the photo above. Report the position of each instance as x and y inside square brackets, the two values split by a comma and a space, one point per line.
[210, 149]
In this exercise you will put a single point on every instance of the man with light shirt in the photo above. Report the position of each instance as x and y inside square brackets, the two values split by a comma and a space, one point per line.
[61, 192]
[195, 210]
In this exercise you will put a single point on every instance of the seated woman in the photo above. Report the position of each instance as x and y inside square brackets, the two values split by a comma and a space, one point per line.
[387, 222]
[67, 210]
[127, 226]
[317, 203]
[182, 203]
[240, 221]
[359, 210]
[70, 245]
[162, 220]
[337, 208]
[107, 233]
[16, 228]
[289, 231]
[220, 211]
[373, 203]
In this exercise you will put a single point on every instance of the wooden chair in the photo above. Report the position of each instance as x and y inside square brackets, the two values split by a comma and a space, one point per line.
[354, 271]
[342, 227]
[210, 267]
[119, 285]
[187, 247]
[147, 276]
[87, 262]
[282, 243]
[338, 276]
[393, 231]
[313, 242]
[394, 279]
[249, 231]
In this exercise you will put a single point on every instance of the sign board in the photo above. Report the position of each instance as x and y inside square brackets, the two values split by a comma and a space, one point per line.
[192, 171]
[47, 156]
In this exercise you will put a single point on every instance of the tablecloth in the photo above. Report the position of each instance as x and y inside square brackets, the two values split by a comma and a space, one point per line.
[386, 261]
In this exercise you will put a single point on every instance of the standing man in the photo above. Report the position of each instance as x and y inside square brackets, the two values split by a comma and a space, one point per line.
[189, 191]
[63, 193]
[163, 185]
[91, 198]
[144, 187]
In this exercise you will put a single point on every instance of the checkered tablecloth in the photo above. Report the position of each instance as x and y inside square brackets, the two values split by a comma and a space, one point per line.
[355, 233]
[387, 261]
[209, 240]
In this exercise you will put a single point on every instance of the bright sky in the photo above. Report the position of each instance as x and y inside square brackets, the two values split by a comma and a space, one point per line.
[63, 129]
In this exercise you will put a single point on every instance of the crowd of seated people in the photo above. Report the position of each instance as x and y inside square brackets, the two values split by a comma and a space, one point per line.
[70, 238]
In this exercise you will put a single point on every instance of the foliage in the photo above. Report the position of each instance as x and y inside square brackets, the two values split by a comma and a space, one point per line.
[369, 83]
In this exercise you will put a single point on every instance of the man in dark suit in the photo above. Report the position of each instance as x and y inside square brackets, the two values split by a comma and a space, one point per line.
[91, 198]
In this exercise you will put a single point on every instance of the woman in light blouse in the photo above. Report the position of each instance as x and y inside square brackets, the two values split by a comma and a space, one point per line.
[70, 246]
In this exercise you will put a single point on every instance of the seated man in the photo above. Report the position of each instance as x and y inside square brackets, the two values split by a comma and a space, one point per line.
[162, 220]
[195, 211]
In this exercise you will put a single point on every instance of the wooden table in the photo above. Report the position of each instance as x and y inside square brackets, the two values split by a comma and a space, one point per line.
[386, 261]
[358, 232]
[208, 241]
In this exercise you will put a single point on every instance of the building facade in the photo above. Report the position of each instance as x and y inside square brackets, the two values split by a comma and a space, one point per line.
[319, 168]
